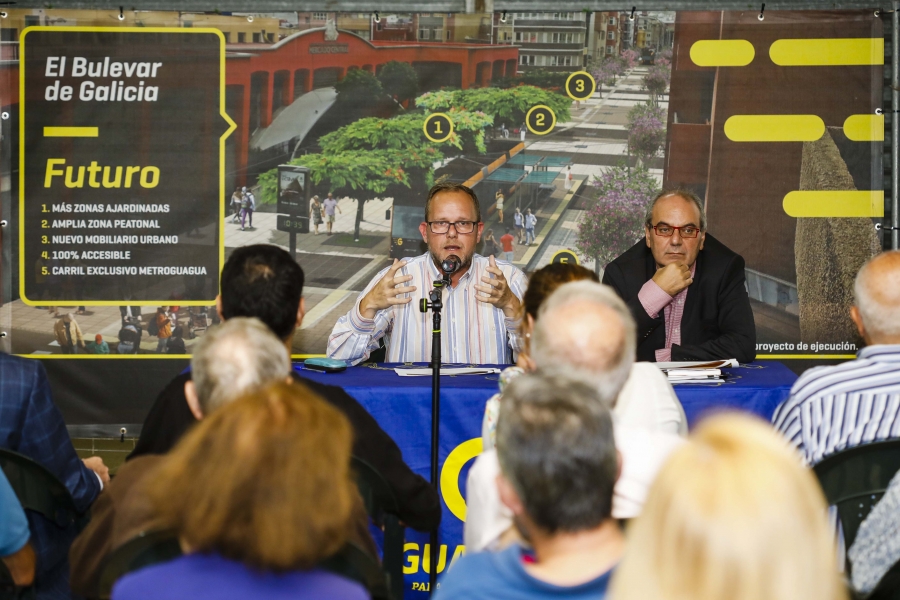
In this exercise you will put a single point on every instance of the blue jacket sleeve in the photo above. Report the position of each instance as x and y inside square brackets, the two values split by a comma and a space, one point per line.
[13, 524]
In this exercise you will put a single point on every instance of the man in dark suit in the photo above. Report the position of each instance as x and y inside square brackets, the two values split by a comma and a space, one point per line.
[32, 425]
[684, 287]
[263, 281]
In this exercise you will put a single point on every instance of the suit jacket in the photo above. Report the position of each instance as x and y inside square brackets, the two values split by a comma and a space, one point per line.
[32, 425]
[420, 507]
[717, 321]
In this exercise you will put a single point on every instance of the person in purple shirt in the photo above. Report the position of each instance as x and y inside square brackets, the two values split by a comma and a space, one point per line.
[558, 466]
[259, 493]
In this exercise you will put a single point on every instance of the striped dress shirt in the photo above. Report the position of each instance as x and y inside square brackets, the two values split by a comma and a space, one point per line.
[474, 332]
[834, 408]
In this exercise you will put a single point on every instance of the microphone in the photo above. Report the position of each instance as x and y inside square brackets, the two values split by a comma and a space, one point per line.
[450, 265]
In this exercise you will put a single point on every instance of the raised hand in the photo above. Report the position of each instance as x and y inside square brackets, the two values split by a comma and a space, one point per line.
[496, 291]
[673, 278]
[386, 292]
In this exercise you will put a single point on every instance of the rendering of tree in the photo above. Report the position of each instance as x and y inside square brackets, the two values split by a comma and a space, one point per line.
[646, 131]
[616, 221]
[399, 80]
[359, 88]
[656, 81]
[504, 105]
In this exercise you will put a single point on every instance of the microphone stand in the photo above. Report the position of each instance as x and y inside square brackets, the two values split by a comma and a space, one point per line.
[435, 304]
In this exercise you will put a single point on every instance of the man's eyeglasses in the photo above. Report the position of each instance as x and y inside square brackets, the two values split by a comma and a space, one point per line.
[462, 227]
[688, 231]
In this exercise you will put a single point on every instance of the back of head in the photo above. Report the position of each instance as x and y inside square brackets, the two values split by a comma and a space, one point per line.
[262, 281]
[265, 480]
[545, 280]
[877, 292]
[733, 515]
[585, 326]
[555, 446]
[238, 356]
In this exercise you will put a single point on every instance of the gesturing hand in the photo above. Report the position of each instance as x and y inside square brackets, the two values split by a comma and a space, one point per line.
[673, 278]
[386, 292]
[95, 464]
[496, 291]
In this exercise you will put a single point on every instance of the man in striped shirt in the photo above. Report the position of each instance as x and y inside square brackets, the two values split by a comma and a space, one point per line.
[481, 305]
[857, 402]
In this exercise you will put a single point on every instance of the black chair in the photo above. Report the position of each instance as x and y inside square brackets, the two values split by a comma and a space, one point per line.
[382, 506]
[855, 479]
[355, 563]
[145, 549]
[40, 491]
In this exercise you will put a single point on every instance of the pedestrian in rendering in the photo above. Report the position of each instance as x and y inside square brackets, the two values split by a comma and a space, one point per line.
[315, 214]
[530, 222]
[68, 334]
[568, 181]
[499, 199]
[236, 199]
[519, 223]
[506, 242]
[248, 205]
[330, 205]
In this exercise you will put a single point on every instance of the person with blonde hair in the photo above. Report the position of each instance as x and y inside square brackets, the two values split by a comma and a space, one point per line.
[732, 515]
[259, 493]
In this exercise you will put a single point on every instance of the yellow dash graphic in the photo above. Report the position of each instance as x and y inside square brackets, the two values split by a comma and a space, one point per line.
[71, 131]
[827, 52]
[774, 128]
[722, 53]
[864, 128]
[867, 203]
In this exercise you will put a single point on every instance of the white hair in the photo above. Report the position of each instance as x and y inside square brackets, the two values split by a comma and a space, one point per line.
[235, 358]
[878, 300]
[606, 362]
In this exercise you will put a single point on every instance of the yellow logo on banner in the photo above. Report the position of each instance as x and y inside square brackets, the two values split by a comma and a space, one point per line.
[450, 475]
[827, 52]
[832, 203]
[722, 53]
[774, 128]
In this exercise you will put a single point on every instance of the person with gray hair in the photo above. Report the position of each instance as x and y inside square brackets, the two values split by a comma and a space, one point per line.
[857, 402]
[685, 289]
[240, 355]
[558, 466]
[236, 358]
[585, 330]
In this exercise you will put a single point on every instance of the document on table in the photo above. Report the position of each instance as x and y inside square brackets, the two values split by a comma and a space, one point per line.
[421, 371]
[697, 364]
[695, 371]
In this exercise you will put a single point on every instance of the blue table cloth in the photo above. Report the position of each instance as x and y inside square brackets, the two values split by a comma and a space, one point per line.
[402, 406]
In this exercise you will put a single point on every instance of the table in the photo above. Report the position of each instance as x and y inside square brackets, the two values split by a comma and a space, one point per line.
[402, 406]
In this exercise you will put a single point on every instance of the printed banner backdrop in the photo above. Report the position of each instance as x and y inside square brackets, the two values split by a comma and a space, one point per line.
[138, 149]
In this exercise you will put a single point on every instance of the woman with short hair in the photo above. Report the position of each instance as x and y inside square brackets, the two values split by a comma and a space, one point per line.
[731, 516]
[259, 493]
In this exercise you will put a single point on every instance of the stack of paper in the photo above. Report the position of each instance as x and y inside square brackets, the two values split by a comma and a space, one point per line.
[695, 371]
[422, 371]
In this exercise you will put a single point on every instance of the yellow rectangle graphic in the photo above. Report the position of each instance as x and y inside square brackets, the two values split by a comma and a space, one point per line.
[827, 52]
[830, 203]
[71, 131]
[722, 53]
[774, 128]
[864, 128]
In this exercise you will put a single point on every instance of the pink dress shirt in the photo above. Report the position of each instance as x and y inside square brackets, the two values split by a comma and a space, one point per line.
[654, 300]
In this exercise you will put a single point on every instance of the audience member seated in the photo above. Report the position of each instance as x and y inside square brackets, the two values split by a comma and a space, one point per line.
[647, 400]
[15, 551]
[558, 466]
[686, 290]
[834, 408]
[585, 327]
[236, 358]
[263, 281]
[32, 425]
[877, 546]
[259, 493]
[733, 515]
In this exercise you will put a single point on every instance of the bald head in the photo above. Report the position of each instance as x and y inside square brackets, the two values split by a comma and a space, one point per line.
[877, 291]
[585, 327]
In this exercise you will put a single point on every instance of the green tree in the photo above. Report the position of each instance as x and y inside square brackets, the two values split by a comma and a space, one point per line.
[399, 80]
[503, 105]
[359, 89]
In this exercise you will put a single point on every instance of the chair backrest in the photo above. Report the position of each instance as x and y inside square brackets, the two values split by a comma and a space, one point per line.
[145, 549]
[38, 489]
[382, 507]
[854, 480]
[354, 563]
[889, 586]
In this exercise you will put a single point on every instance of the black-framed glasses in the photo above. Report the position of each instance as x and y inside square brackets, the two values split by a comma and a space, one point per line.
[461, 227]
[687, 231]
